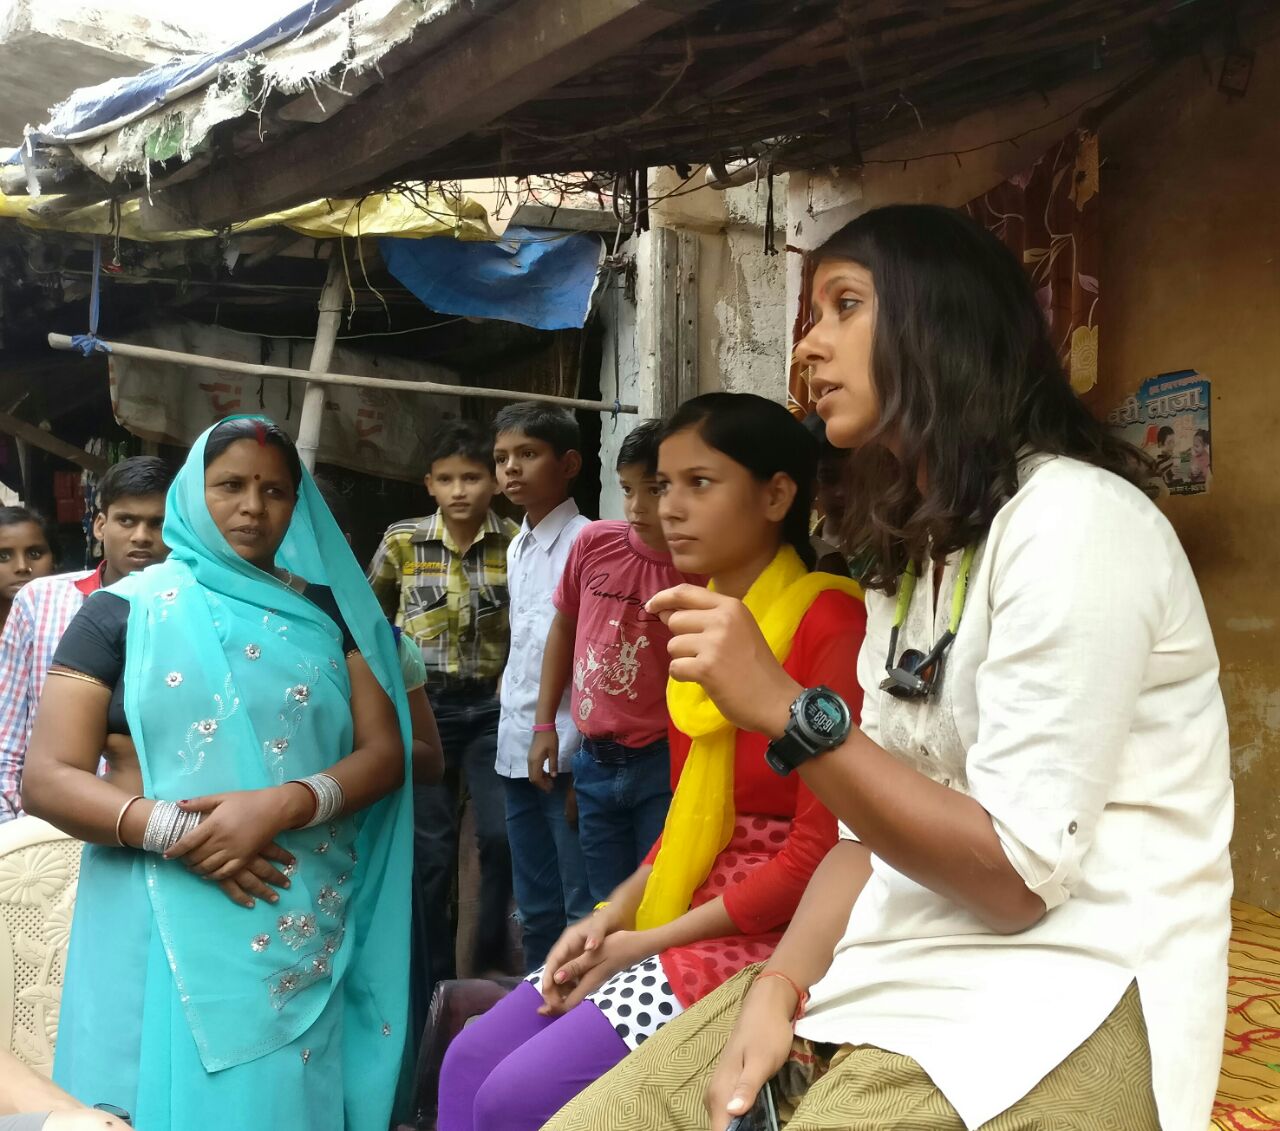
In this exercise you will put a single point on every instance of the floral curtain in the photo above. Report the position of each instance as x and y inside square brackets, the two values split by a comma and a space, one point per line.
[1048, 216]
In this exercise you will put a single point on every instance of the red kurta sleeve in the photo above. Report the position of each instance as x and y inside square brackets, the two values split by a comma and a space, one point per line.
[825, 650]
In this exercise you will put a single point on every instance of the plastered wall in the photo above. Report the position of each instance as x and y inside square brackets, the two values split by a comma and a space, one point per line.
[1191, 280]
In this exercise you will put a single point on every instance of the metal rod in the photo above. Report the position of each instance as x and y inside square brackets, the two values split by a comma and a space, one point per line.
[321, 355]
[174, 357]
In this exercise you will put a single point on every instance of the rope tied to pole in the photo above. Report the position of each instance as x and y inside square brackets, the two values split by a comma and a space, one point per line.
[89, 344]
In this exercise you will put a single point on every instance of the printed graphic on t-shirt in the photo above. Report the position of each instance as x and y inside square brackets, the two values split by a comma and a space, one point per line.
[609, 669]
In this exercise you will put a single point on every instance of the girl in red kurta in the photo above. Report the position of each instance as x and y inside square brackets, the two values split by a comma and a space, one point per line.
[737, 472]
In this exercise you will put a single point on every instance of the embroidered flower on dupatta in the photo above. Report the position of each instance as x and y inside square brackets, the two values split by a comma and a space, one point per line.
[173, 679]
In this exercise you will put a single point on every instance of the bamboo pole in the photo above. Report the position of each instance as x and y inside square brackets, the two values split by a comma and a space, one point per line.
[195, 360]
[39, 438]
[321, 356]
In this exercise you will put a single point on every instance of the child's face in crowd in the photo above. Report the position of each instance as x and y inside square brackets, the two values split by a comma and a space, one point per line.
[129, 531]
[24, 555]
[530, 473]
[831, 494]
[716, 515]
[837, 351]
[462, 488]
[641, 494]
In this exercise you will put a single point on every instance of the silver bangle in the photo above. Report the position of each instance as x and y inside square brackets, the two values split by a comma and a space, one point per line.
[167, 824]
[153, 836]
[329, 798]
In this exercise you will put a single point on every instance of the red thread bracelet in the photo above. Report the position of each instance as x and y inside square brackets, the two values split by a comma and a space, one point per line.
[802, 996]
[543, 728]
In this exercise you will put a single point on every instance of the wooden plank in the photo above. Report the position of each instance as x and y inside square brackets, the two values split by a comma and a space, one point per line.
[506, 60]
[39, 438]
[665, 261]
[673, 330]
[687, 315]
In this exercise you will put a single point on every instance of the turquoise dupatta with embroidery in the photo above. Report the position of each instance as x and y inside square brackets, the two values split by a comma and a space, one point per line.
[235, 681]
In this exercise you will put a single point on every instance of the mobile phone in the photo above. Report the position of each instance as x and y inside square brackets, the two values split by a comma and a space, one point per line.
[761, 1116]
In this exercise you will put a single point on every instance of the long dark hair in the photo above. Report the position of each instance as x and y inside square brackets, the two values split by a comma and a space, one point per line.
[967, 379]
[766, 439]
[252, 428]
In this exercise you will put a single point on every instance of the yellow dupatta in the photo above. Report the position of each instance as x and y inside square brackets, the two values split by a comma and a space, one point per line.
[700, 821]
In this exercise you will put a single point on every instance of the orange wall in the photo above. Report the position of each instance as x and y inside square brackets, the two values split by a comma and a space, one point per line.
[1191, 280]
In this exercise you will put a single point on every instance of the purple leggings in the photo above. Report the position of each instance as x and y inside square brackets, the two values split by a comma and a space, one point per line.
[512, 1070]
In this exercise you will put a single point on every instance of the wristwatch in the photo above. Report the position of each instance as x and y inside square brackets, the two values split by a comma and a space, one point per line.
[820, 721]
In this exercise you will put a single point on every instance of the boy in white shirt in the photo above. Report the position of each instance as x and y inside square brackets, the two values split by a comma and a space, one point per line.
[537, 458]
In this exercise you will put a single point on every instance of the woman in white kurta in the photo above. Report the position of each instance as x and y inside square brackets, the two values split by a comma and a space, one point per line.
[1025, 923]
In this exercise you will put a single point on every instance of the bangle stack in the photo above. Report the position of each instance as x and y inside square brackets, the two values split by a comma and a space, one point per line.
[329, 798]
[167, 824]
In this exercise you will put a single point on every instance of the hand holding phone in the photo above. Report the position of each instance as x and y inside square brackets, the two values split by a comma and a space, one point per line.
[761, 1116]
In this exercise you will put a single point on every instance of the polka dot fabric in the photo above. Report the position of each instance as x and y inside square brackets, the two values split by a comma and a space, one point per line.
[638, 1002]
[697, 969]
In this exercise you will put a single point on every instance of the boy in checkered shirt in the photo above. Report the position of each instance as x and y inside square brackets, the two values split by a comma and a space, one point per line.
[444, 580]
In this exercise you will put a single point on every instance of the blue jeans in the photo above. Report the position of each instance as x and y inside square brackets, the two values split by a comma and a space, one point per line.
[546, 865]
[621, 809]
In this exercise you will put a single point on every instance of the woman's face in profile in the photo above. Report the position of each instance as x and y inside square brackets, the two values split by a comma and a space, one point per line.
[837, 351]
[251, 498]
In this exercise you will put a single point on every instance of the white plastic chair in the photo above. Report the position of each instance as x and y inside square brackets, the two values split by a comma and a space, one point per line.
[39, 866]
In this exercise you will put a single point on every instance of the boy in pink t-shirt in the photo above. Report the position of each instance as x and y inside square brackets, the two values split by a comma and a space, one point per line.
[615, 652]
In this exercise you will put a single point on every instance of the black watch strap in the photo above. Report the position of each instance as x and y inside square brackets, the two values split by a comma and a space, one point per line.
[820, 721]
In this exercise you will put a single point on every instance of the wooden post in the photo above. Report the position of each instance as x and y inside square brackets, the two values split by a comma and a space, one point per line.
[321, 354]
[671, 352]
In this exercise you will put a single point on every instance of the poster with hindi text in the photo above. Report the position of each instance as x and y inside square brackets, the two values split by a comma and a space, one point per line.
[1168, 419]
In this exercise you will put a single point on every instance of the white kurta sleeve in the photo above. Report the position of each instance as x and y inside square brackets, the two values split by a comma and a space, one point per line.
[1078, 589]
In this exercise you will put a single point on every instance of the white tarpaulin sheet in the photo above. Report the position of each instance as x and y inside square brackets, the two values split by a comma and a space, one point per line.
[320, 58]
[375, 431]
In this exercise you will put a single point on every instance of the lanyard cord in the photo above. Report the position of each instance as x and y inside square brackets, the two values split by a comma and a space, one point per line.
[907, 588]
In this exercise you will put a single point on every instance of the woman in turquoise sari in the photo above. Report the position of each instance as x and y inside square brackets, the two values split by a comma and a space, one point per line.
[239, 959]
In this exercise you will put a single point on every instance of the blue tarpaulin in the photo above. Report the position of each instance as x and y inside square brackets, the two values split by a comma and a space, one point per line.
[538, 278]
[109, 105]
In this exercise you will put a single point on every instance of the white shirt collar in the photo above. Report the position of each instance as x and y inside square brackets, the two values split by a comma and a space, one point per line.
[551, 527]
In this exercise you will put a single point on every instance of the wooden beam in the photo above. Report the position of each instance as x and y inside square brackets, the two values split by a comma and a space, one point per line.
[39, 438]
[506, 60]
[435, 388]
[671, 354]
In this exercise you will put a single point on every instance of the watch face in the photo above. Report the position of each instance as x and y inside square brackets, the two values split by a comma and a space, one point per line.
[825, 715]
